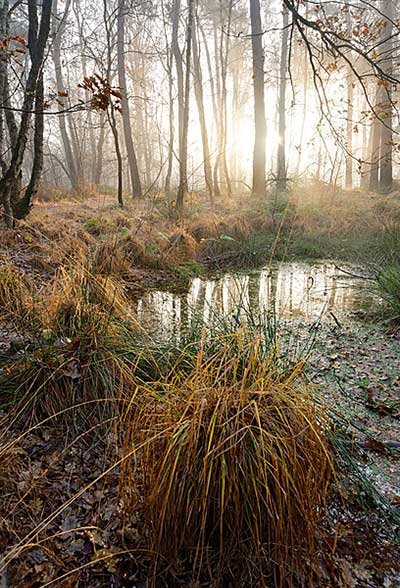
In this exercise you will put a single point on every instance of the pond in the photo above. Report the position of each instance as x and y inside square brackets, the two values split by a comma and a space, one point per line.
[292, 291]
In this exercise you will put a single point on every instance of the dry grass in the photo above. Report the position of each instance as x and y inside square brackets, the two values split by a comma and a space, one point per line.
[77, 299]
[181, 247]
[82, 326]
[18, 302]
[144, 234]
[109, 259]
[338, 212]
[235, 469]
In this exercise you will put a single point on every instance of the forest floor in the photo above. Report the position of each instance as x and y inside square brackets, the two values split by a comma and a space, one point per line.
[61, 515]
[149, 247]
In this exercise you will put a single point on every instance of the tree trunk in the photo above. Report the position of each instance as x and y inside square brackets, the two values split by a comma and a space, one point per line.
[179, 69]
[304, 74]
[198, 88]
[350, 113]
[37, 40]
[58, 30]
[282, 164]
[171, 127]
[217, 190]
[99, 154]
[130, 149]
[113, 125]
[386, 175]
[224, 54]
[183, 181]
[3, 81]
[92, 139]
[259, 100]
[23, 207]
[375, 143]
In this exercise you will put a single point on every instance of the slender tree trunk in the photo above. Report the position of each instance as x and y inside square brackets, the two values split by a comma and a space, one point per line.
[259, 170]
[99, 152]
[92, 139]
[217, 190]
[350, 114]
[130, 149]
[171, 138]
[349, 132]
[183, 180]
[114, 129]
[224, 54]
[375, 152]
[282, 164]
[171, 114]
[218, 172]
[3, 81]
[146, 144]
[58, 30]
[304, 74]
[179, 70]
[386, 175]
[198, 88]
[364, 181]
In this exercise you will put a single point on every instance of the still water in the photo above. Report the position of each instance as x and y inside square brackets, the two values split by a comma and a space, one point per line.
[293, 291]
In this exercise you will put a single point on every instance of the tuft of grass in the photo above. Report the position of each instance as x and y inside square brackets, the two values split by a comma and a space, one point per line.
[181, 247]
[389, 287]
[235, 467]
[17, 297]
[79, 352]
[109, 259]
[226, 251]
[78, 300]
[91, 372]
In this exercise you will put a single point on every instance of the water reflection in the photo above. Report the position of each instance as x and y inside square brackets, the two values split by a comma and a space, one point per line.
[295, 291]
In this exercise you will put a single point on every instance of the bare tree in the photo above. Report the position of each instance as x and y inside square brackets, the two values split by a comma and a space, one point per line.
[130, 149]
[386, 171]
[199, 94]
[58, 30]
[183, 180]
[281, 176]
[259, 171]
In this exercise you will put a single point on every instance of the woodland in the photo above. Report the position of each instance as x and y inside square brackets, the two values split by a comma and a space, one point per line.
[199, 293]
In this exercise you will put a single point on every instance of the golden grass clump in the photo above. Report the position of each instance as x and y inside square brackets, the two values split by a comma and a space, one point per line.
[135, 252]
[17, 296]
[236, 226]
[85, 326]
[109, 259]
[181, 247]
[79, 299]
[234, 470]
[203, 230]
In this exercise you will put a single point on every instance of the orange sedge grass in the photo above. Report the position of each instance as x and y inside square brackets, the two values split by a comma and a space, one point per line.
[233, 483]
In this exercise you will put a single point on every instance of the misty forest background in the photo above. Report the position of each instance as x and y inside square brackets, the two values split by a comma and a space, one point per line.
[219, 97]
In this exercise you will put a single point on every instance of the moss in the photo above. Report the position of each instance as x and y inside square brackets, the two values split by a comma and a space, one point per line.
[188, 270]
